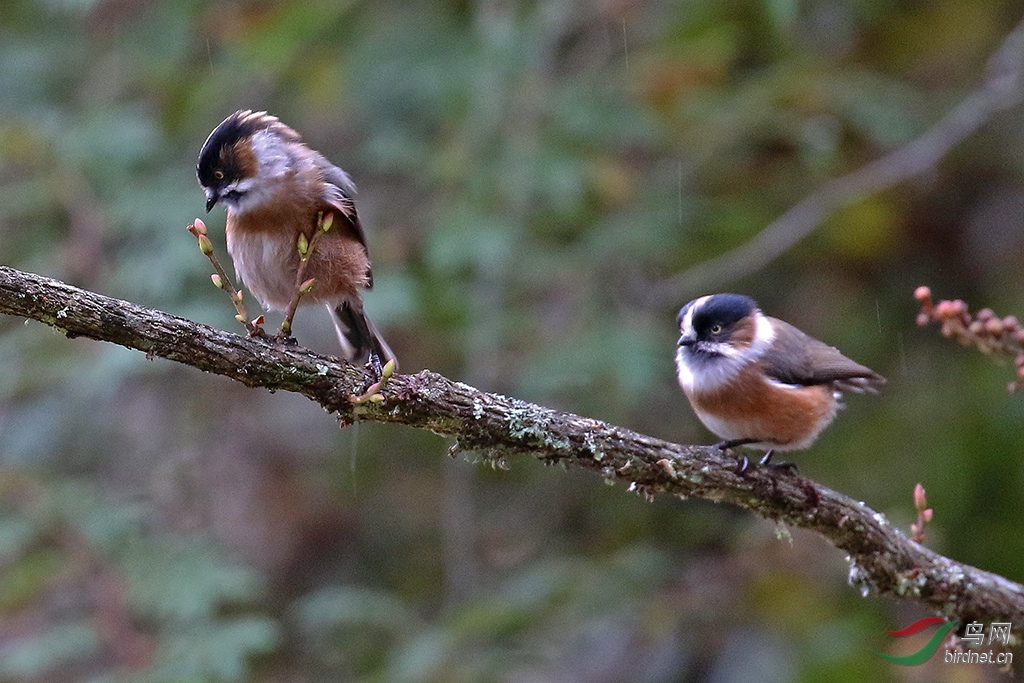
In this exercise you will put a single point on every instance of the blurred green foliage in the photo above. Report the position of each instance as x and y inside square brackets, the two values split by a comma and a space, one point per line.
[528, 172]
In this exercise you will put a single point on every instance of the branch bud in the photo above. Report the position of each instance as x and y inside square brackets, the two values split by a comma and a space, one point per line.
[306, 286]
[327, 221]
[920, 503]
[994, 326]
[218, 281]
[303, 244]
[205, 245]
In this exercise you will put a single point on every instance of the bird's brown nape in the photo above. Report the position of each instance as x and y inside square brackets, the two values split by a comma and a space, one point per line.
[742, 333]
[240, 158]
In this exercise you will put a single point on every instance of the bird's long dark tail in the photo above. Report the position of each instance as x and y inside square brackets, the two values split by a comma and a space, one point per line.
[358, 335]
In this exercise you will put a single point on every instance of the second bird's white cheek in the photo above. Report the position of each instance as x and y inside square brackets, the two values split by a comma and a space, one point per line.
[711, 372]
[683, 372]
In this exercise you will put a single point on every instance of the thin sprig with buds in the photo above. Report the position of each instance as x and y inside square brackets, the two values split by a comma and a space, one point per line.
[984, 330]
[222, 281]
[305, 246]
[924, 514]
[372, 393]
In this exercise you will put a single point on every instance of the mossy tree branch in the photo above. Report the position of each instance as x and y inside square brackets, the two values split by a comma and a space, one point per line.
[882, 559]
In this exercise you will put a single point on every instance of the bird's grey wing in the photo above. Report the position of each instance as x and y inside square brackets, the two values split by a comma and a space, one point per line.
[797, 358]
[341, 193]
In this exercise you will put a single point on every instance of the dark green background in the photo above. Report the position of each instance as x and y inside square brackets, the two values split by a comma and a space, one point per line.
[528, 173]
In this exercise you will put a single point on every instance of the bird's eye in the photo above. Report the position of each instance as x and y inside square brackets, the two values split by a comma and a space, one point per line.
[716, 329]
[218, 174]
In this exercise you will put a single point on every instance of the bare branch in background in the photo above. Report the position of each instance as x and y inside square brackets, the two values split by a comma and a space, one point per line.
[882, 559]
[1002, 89]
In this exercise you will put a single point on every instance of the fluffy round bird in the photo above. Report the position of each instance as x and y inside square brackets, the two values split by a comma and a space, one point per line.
[758, 381]
[276, 188]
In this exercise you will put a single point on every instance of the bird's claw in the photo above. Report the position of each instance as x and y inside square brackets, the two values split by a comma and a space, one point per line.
[743, 465]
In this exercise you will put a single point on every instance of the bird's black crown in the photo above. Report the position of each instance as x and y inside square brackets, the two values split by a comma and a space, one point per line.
[724, 310]
[239, 126]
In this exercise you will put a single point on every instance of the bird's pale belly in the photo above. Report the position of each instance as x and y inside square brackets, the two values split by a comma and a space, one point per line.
[776, 416]
[267, 266]
[267, 262]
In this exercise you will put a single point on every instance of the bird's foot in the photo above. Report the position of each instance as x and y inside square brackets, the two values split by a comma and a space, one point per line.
[766, 461]
[743, 464]
[726, 445]
[285, 339]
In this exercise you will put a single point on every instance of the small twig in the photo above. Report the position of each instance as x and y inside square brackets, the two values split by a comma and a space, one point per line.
[987, 332]
[372, 392]
[222, 281]
[924, 514]
[305, 247]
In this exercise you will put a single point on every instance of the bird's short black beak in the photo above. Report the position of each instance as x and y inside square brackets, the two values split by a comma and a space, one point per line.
[211, 199]
[686, 341]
